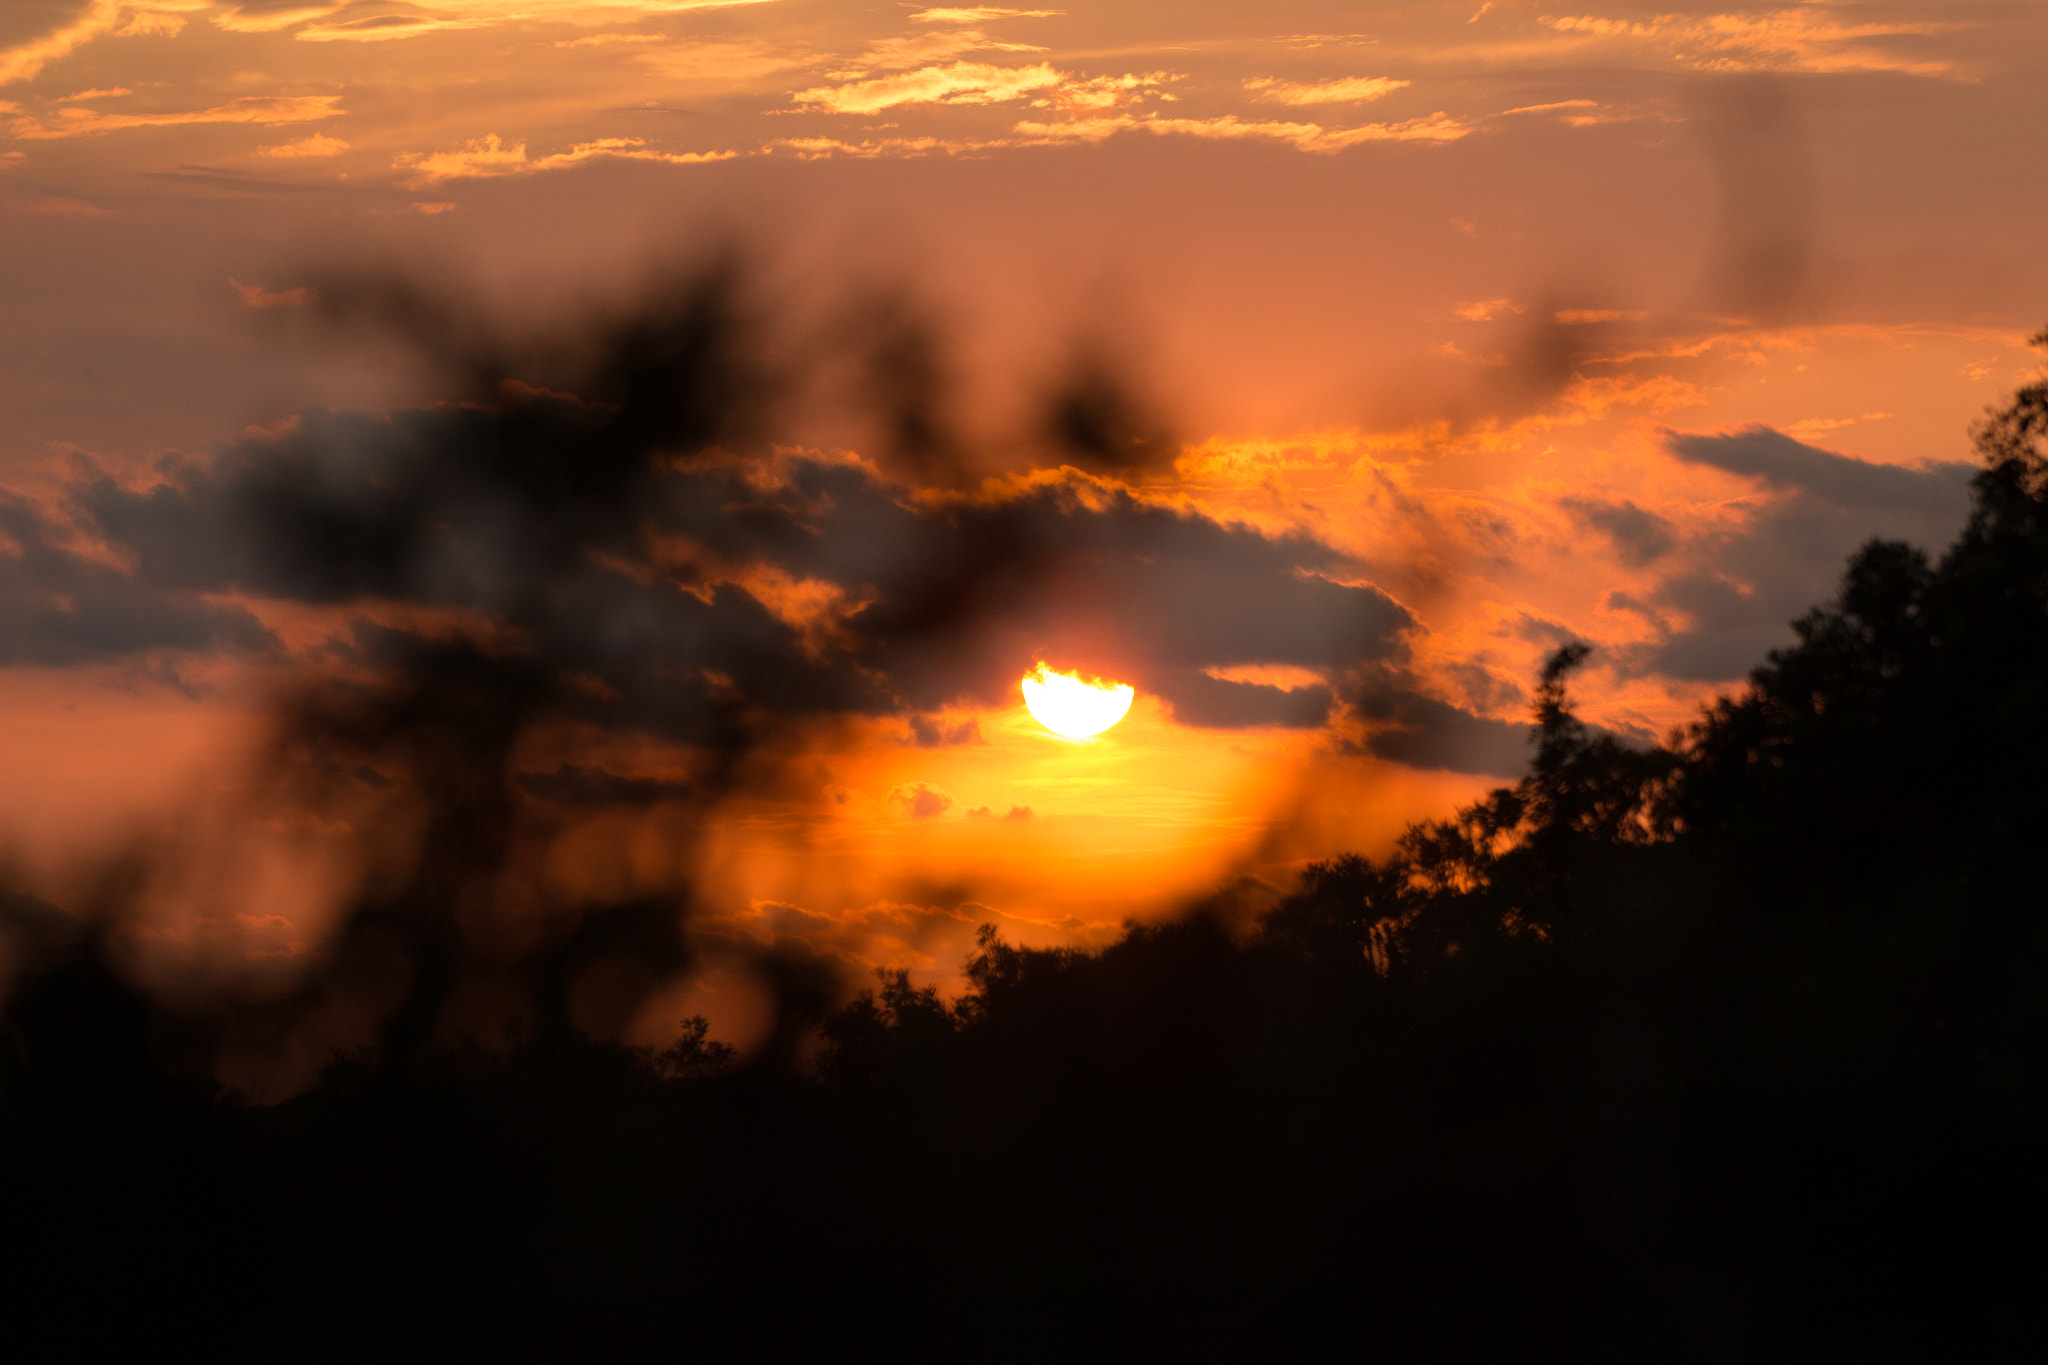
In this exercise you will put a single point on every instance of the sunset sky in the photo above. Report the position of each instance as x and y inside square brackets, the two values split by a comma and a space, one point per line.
[1458, 331]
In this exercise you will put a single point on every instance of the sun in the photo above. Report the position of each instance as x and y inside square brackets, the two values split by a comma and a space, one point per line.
[1068, 707]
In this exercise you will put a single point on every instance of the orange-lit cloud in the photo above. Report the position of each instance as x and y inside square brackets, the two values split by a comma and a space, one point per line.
[23, 60]
[1347, 90]
[385, 20]
[1308, 137]
[1799, 39]
[316, 145]
[266, 110]
[27, 57]
[490, 156]
[959, 83]
[980, 14]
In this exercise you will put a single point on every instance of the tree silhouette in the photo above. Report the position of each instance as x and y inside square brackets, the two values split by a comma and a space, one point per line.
[1730, 1048]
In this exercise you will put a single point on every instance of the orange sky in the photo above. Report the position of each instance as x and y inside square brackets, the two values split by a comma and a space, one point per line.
[1623, 324]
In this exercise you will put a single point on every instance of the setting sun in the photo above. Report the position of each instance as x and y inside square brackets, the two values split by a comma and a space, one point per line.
[1068, 707]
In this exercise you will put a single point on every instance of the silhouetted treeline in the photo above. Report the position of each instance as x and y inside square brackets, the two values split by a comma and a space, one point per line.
[1735, 1049]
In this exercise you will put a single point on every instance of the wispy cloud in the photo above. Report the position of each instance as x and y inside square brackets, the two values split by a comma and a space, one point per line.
[1485, 310]
[980, 14]
[385, 20]
[1348, 90]
[826, 148]
[490, 156]
[259, 109]
[1802, 39]
[959, 83]
[97, 18]
[1308, 137]
[1577, 113]
[318, 145]
[26, 58]
[1089, 93]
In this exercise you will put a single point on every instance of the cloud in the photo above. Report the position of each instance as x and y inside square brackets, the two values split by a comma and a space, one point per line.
[1795, 39]
[1347, 90]
[1640, 537]
[489, 156]
[1308, 137]
[317, 145]
[152, 23]
[1726, 599]
[1577, 113]
[928, 733]
[959, 83]
[63, 601]
[1485, 310]
[267, 110]
[1074, 95]
[980, 14]
[1939, 491]
[387, 20]
[1405, 725]
[1200, 698]
[821, 148]
[25, 58]
[902, 51]
[922, 802]
[932, 604]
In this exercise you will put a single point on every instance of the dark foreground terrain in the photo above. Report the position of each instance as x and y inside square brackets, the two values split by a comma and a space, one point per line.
[1732, 1050]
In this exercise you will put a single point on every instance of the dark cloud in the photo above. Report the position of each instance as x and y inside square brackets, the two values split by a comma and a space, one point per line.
[1408, 726]
[934, 734]
[60, 604]
[923, 801]
[1938, 492]
[963, 594]
[1640, 536]
[1199, 699]
[1729, 604]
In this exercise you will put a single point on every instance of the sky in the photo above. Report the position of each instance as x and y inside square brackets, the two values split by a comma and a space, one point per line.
[1312, 368]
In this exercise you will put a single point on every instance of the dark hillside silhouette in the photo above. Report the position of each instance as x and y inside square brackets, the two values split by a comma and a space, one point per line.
[1734, 1049]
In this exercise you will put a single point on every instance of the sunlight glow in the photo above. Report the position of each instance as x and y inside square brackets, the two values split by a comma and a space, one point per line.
[1068, 707]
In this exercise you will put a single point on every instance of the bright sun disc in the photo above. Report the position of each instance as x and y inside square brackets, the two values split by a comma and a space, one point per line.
[1065, 705]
